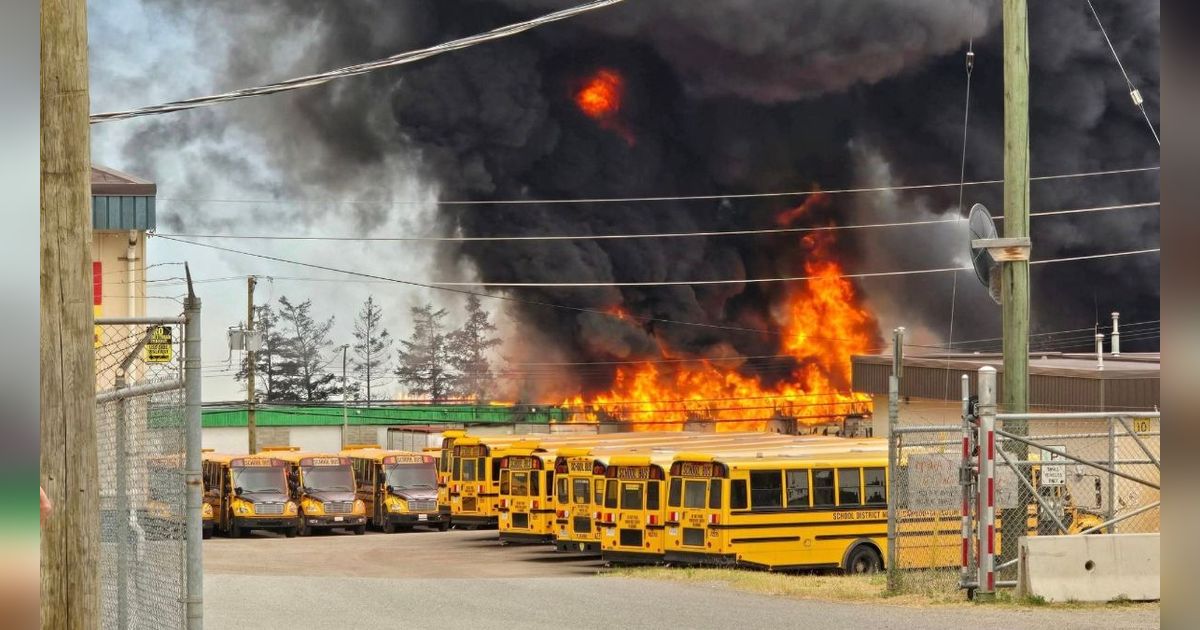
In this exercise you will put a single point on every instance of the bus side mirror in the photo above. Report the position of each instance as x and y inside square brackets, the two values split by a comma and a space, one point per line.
[389, 489]
[238, 491]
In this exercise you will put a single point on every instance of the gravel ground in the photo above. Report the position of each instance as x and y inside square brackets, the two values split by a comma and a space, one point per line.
[466, 580]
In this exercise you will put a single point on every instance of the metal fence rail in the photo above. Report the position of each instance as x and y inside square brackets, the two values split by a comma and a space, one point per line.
[142, 441]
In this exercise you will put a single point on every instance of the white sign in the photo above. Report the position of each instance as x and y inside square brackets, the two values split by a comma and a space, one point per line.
[933, 483]
[1056, 474]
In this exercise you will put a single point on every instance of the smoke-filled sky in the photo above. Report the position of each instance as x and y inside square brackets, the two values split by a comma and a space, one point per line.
[716, 97]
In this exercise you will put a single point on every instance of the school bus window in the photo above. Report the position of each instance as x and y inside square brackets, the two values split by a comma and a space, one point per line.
[535, 488]
[581, 488]
[562, 490]
[495, 469]
[631, 496]
[598, 490]
[520, 484]
[674, 492]
[549, 483]
[766, 489]
[875, 486]
[714, 494]
[693, 493]
[653, 492]
[797, 488]
[822, 487]
[849, 488]
[505, 477]
[737, 494]
[468, 469]
[457, 475]
[610, 494]
[443, 461]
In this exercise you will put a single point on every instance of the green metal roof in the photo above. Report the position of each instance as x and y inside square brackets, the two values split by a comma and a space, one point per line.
[423, 414]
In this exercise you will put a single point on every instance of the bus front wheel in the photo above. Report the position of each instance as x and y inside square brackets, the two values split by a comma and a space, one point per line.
[360, 530]
[863, 559]
[389, 527]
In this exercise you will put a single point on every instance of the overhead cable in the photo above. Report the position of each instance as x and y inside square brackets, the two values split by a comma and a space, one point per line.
[354, 70]
[1134, 94]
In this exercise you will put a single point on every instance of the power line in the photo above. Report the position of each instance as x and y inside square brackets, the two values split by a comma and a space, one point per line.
[354, 70]
[654, 235]
[793, 193]
[1134, 94]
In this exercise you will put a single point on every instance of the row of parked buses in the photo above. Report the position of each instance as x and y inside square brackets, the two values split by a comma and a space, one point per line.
[761, 500]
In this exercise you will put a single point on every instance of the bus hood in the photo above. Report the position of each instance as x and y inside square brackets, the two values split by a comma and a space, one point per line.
[332, 495]
[410, 494]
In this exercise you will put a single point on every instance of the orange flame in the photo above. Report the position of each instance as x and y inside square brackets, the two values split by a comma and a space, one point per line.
[600, 99]
[822, 324]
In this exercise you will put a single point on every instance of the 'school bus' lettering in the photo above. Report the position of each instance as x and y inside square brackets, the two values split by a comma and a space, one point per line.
[324, 461]
[469, 451]
[860, 515]
[252, 462]
[634, 474]
[520, 463]
[579, 465]
[694, 469]
[407, 459]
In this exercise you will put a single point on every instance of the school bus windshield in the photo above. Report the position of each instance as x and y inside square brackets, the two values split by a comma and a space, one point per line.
[258, 479]
[329, 478]
[410, 475]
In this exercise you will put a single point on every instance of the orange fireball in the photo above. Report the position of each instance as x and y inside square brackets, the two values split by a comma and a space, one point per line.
[600, 96]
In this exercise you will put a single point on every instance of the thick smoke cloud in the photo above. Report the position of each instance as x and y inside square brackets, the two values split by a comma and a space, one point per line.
[730, 96]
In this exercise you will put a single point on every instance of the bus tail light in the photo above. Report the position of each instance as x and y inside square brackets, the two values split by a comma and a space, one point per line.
[503, 502]
[712, 519]
[535, 504]
[674, 517]
[653, 520]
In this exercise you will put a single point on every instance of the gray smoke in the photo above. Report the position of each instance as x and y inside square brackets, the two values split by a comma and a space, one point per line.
[720, 97]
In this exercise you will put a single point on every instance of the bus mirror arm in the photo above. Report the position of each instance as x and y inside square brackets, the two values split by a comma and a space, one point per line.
[389, 489]
[238, 491]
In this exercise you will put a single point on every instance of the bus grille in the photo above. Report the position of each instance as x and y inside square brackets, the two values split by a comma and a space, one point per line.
[631, 538]
[693, 537]
[469, 504]
[422, 505]
[339, 507]
[268, 508]
[581, 525]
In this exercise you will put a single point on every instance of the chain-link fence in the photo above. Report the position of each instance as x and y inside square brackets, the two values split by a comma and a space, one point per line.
[1052, 474]
[141, 441]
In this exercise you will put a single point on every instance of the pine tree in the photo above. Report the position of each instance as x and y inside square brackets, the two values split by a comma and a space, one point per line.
[270, 360]
[423, 362]
[469, 347]
[304, 370]
[372, 346]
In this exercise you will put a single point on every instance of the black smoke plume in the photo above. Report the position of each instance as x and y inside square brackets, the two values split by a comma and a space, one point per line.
[720, 97]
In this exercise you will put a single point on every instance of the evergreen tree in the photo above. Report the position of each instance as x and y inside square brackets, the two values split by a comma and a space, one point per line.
[270, 361]
[423, 362]
[372, 346]
[469, 347]
[302, 369]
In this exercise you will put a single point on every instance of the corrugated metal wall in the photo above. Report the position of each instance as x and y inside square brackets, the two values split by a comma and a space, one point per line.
[110, 212]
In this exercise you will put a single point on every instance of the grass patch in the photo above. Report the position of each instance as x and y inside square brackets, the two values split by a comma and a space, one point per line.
[917, 588]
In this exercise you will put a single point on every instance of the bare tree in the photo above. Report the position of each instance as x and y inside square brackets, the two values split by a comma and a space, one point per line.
[372, 346]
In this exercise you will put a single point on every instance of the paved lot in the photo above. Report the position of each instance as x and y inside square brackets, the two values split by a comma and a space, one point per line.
[465, 579]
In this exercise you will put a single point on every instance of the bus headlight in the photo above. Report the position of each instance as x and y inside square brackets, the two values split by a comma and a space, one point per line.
[289, 508]
[243, 508]
[396, 504]
[312, 507]
[207, 510]
[360, 507]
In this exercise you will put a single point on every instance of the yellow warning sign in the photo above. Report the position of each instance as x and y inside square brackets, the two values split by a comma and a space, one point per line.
[1142, 425]
[159, 349]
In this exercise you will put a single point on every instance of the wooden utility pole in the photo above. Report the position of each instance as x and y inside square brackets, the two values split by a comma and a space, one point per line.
[1014, 281]
[70, 550]
[251, 358]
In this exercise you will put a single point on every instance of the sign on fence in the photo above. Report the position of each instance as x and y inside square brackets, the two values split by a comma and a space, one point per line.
[159, 348]
[932, 483]
[1054, 474]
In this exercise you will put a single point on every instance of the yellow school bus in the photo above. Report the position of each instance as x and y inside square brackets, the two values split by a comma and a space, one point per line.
[398, 488]
[785, 511]
[245, 492]
[323, 485]
[579, 493]
[443, 468]
[631, 517]
[526, 503]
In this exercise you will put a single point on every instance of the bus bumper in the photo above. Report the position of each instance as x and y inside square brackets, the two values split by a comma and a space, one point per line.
[248, 523]
[408, 520]
[578, 546]
[700, 558]
[468, 520]
[630, 557]
[523, 538]
[333, 522]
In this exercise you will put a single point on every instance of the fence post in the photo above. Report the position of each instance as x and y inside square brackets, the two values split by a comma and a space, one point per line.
[1112, 479]
[986, 443]
[122, 533]
[893, 574]
[192, 399]
[965, 575]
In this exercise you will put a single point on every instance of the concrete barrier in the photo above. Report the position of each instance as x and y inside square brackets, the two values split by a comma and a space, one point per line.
[1093, 568]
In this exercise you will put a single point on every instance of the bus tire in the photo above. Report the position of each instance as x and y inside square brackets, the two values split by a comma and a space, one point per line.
[235, 530]
[863, 558]
[389, 527]
[304, 529]
[291, 532]
[443, 527]
[359, 530]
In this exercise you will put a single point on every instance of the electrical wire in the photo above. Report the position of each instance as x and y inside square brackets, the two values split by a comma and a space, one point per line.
[962, 177]
[354, 70]
[1134, 94]
[793, 193]
[654, 235]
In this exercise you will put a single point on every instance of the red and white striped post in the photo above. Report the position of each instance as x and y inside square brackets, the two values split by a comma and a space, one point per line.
[967, 428]
[987, 482]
